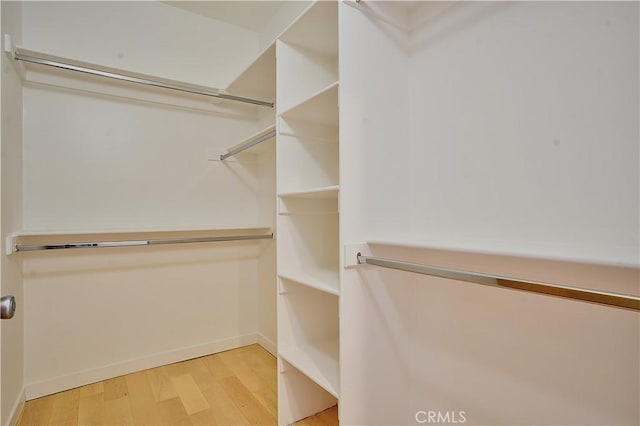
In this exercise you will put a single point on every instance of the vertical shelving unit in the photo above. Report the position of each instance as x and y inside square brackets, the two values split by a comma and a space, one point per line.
[308, 233]
[256, 155]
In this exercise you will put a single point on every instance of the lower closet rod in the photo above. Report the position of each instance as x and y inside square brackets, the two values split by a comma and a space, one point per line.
[98, 244]
[583, 294]
[248, 145]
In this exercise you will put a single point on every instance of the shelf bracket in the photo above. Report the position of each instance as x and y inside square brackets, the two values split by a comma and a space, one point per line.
[10, 244]
[9, 48]
[351, 252]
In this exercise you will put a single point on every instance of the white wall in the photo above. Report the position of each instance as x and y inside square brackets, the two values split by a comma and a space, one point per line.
[11, 215]
[141, 36]
[101, 162]
[523, 137]
[516, 132]
[524, 131]
[94, 162]
[374, 111]
[104, 157]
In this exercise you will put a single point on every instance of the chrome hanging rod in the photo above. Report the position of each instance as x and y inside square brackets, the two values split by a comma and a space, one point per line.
[60, 246]
[248, 145]
[586, 295]
[145, 81]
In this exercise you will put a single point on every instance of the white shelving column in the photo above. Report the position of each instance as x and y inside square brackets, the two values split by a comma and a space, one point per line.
[308, 233]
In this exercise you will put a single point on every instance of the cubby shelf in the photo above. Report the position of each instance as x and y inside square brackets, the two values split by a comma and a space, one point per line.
[326, 192]
[321, 107]
[316, 29]
[318, 361]
[323, 279]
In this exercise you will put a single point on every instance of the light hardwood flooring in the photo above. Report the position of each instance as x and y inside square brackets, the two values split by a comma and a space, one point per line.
[236, 387]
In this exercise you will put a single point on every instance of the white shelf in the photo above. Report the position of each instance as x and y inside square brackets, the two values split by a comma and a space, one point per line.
[321, 107]
[323, 279]
[326, 192]
[258, 79]
[317, 361]
[316, 29]
[308, 215]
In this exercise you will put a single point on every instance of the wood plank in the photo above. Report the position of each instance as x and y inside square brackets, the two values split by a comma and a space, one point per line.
[251, 408]
[217, 367]
[141, 400]
[203, 418]
[330, 415]
[161, 385]
[92, 389]
[64, 411]
[256, 354]
[176, 369]
[200, 373]
[172, 413]
[91, 410]
[236, 363]
[223, 409]
[269, 400]
[37, 411]
[118, 412]
[262, 363]
[311, 421]
[115, 388]
[190, 394]
[268, 376]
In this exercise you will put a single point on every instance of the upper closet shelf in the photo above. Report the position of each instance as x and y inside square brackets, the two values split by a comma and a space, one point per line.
[321, 107]
[258, 79]
[43, 59]
[316, 29]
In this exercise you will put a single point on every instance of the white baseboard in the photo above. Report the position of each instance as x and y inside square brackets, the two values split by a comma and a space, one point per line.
[74, 380]
[268, 344]
[16, 410]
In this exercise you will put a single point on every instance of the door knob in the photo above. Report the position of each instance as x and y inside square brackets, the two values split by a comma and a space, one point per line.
[7, 307]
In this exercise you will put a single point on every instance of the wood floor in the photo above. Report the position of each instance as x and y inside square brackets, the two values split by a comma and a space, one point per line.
[237, 387]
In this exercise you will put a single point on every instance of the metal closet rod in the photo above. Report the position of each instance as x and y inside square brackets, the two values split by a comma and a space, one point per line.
[576, 293]
[131, 243]
[148, 82]
[248, 145]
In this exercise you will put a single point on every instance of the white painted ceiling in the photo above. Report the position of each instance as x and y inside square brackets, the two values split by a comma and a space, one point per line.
[252, 15]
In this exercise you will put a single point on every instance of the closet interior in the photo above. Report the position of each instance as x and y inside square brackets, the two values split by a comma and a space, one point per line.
[184, 178]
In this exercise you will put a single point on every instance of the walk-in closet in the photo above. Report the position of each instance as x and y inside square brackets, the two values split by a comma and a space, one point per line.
[355, 211]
